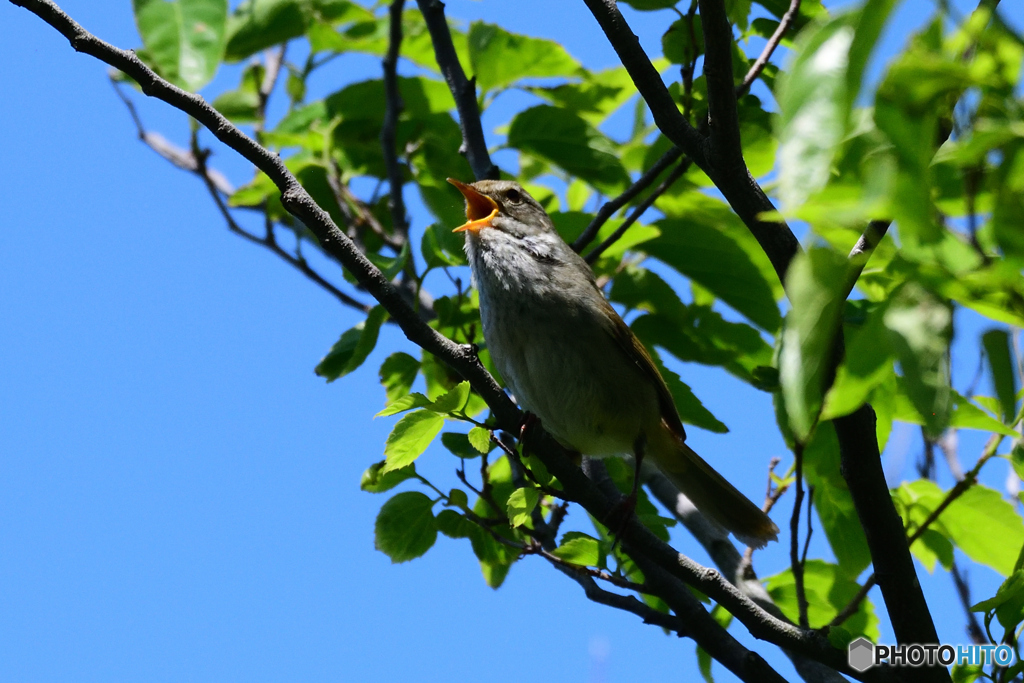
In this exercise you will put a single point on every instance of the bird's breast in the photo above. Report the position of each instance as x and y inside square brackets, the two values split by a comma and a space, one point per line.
[552, 346]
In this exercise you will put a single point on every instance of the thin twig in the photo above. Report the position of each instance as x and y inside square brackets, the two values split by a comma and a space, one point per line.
[609, 208]
[474, 145]
[273, 60]
[963, 592]
[766, 54]
[958, 490]
[796, 566]
[392, 109]
[676, 174]
[810, 528]
[268, 241]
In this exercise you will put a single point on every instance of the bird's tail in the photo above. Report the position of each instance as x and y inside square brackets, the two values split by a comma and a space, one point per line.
[714, 496]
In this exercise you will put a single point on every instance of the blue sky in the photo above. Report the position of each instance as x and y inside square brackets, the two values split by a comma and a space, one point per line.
[179, 492]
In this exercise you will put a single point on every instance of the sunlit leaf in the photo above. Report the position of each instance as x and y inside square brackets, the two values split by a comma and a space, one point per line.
[376, 480]
[349, 352]
[184, 38]
[828, 590]
[405, 527]
[566, 140]
[499, 58]
[410, 437]
[815, 286]
[521, 505]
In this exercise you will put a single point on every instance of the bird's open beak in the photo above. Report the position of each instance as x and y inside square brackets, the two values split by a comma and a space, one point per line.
[480, 209]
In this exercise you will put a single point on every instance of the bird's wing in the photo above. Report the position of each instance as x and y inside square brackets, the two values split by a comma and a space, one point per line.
[635, 350]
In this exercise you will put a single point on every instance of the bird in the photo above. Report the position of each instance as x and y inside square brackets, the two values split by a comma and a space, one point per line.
[571, 361]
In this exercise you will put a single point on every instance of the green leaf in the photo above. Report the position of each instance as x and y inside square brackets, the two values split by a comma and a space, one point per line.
[258, 24]
[980, 522]
[579, 548]
[458, 498]
[480, 439]
[521, 505]
[866, 364]
[441, 247]
[921, 327]
[453, 525]
[703, 336]
[1008, 602]
[691, 410]
[828, 590]
[692, 206]
[410, 437]
[453, 400]
[683, 42]
[932, 547]
[184, 38]
[812, 108]
[375, 480]
[707, 255]
[458, 445]
[1004, 378]
[704, 664]
[596, 96]
[405, 528]
[833, 502]
[815, 286]
[499, 58]
[397, 373]
[816, 96]
[403, 403]
[349, 352]
[569, 142]
[964, 415]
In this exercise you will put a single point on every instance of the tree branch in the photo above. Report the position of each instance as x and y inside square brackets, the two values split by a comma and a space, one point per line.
[737, 186]
[609, 208]
[474, 145]
[734, 567]
[675, 175]
[707, 633]
[393, 107]
[796, 566]
[958, 490]
[637, 539]
[268, 241]
[766, 54]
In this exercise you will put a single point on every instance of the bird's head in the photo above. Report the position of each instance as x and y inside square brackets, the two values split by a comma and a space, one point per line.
[502, 205]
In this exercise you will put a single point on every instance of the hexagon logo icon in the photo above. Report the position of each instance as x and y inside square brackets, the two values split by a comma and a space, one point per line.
[861, 655]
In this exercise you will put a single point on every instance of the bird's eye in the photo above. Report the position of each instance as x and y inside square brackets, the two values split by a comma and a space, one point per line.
[514, 196]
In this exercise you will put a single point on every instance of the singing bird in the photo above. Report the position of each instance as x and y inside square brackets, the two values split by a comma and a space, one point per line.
[572, 362]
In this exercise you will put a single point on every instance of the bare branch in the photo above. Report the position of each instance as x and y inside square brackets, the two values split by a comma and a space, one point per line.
[766, 54]
[273, 59]
[728, 173]
[719, 643]
[474, 145]
[180, 157]
[958, 490]
[194, 161]
[736, 568]
[676, 174]
[393, 107]
[268, 241]
[796, 566]
[609, 208]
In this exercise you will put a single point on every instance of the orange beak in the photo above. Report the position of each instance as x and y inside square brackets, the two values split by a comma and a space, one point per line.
[480, 209]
